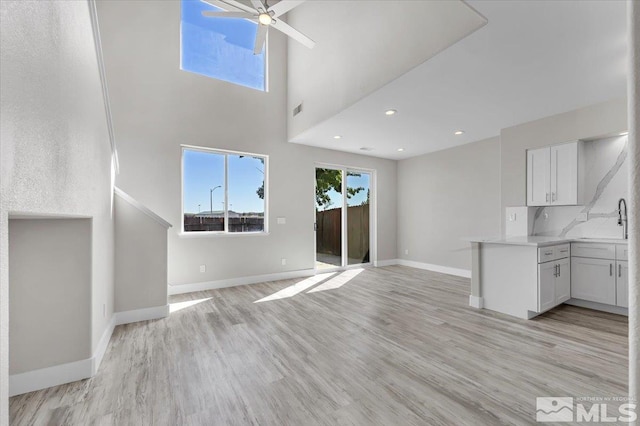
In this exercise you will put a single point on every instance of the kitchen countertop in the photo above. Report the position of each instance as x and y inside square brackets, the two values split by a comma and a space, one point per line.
[542, 241]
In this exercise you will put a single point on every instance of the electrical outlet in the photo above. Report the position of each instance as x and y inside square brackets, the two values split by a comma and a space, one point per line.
[406, 251]
[283, 261]
[203, 268]
[281, 221]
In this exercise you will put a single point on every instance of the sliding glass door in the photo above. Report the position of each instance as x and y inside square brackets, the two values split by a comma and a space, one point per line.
[343, 217]
[358, 217]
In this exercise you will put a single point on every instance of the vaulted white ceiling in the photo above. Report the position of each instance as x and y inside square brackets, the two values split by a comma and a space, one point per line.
[531, 60]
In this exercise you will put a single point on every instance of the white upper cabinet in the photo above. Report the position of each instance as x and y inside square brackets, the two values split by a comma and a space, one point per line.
[564, 174]
[553, 175]
[538, 176]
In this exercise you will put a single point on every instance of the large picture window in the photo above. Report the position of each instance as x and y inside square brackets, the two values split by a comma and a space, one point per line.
[223, 191]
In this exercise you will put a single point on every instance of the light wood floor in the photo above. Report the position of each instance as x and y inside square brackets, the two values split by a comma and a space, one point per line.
[391, 346]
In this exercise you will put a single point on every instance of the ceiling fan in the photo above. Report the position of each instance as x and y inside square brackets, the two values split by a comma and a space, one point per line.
[264, 15]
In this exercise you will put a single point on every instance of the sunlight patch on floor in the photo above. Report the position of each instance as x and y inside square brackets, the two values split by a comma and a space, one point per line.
[178, 306]
[338, 281]
[296, 288]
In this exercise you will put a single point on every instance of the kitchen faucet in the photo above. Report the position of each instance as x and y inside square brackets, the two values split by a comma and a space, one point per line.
[622, 220]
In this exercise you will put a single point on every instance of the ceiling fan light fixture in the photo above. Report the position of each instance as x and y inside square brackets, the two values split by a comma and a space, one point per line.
[264, 19]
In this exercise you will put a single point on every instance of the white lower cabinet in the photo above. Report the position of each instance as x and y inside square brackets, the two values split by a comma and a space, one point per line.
[563, 281]
[593, 280]
[622, 284]
[554, 284]
[546, 286]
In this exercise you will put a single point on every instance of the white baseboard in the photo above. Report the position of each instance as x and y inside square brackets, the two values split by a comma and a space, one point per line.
[51, 376]
[145, 314]
[476, 302]
[83, 369]
[598, 306]
[233, 282]
[388, 262]
[436, 268]
[98, 354]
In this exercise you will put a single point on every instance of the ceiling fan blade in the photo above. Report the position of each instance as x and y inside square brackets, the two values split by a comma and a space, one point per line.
[294, 34]
[284, 6]
[212, 14]
[220, 4]
[258, 5]
[261, 36]
[230, 5]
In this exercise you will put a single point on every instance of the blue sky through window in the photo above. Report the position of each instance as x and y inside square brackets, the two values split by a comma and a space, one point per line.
[362, 181]
[205, 170]
[221, 48]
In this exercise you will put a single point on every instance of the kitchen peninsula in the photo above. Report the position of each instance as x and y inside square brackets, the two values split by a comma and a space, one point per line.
[526, 276]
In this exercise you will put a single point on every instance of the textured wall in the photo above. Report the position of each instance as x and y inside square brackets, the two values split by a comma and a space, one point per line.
[446, 196]
[4, 317]
[157, 107]
[55, 152]
[634, 175]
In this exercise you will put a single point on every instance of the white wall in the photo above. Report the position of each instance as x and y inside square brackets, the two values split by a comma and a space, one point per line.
[55, 151]
[49, 292]
[360, 49]
[462, 192]
[157, 107]
[604, 119]
[633, 94]
[446, 196]
[140, 259]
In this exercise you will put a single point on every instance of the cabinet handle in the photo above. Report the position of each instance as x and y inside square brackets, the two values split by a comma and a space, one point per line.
[611, 269]
[559, 270]
[548, 253]
[619, 270]
[553, 196]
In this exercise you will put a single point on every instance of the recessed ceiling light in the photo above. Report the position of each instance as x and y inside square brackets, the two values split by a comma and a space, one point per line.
[624, 134]
[337, 137]
[390, 112]
[400, 149]
[458, 132]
